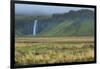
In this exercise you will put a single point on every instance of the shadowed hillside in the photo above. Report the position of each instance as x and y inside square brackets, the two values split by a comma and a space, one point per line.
[77, 23]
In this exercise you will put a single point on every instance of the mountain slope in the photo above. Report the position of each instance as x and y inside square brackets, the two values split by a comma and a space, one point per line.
[73, 23]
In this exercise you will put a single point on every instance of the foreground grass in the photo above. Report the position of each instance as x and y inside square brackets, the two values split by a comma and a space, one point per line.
[53, 52]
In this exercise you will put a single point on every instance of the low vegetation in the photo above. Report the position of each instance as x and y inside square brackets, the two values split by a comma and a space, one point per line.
[48, 51]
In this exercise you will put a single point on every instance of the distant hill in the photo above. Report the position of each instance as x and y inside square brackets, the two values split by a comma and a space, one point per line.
[72, 23]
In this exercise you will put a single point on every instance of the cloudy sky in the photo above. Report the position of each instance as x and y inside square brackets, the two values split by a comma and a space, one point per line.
[43, 9]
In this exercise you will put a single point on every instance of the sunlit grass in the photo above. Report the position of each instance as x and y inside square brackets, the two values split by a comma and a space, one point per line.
[48, 52]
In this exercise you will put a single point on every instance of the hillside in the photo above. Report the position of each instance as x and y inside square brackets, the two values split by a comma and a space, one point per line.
[72, 23]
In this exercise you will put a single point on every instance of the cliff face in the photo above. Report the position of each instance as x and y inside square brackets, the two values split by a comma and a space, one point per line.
[77, 23]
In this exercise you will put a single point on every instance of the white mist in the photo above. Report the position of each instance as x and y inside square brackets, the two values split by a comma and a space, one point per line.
[34, 27]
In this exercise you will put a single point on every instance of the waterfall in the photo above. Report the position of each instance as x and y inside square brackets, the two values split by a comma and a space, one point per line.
[34, 27]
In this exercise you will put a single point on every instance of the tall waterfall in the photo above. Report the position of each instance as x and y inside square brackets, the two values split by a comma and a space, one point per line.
[34, 27]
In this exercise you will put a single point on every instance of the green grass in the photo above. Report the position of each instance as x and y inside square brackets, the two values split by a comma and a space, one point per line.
[53, 52]
[57, 29]
[69, 28]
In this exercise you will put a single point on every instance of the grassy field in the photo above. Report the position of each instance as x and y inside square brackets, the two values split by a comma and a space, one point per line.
[48, 50]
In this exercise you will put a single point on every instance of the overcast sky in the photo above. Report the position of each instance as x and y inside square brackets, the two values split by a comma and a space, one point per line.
[33, 9]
